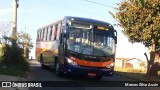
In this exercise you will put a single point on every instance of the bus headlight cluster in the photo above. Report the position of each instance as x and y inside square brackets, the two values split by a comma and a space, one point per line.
[70, 61]
[110, 65]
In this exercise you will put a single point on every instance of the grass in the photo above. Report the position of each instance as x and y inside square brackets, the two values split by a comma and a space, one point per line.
[12, 59]
[20, 69]
[120, 69]
[139, 75]
[12, 71]
[134, 76]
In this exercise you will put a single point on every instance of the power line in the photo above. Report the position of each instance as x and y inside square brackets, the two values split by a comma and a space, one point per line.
[99, 3]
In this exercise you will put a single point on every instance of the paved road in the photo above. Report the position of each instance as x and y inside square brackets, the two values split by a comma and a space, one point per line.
[38, 74]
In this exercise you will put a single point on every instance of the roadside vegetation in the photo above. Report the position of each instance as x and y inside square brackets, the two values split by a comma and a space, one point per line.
[130, 70]
[14, 53]
[140, 20]
[136, 74]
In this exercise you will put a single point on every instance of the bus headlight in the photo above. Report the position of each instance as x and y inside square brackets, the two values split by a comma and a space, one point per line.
[110, 65]
[71, 61]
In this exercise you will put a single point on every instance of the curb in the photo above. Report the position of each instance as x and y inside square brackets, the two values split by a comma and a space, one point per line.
[12, 78]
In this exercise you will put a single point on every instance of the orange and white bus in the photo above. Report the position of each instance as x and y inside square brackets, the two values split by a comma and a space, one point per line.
[75, 45]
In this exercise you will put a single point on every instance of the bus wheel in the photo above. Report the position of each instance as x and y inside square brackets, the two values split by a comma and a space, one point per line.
[57, 70]
[41, 62]
[42, 65]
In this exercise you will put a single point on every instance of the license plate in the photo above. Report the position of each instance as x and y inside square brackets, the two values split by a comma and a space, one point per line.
[91, 74]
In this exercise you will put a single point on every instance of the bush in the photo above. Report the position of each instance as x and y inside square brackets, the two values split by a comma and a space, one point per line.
[14, 55]
[13, 60]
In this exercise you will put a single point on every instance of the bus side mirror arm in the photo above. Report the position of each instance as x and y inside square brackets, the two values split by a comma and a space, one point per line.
[115, 39]
[115, 36]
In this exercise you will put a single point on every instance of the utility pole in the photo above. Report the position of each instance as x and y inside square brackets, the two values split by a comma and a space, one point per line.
[14, 26]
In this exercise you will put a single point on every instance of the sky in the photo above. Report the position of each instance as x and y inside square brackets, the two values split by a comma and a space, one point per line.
[33, 14]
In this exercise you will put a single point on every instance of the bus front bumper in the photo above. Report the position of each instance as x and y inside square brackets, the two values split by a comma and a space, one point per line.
[88, 71]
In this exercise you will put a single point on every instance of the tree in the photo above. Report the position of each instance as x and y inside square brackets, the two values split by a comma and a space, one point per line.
[24, 40]
[5, 29]
[12, 54]
[141, 22]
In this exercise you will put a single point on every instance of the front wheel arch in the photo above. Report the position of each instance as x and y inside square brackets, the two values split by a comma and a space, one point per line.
[55, 60]
[57, 69]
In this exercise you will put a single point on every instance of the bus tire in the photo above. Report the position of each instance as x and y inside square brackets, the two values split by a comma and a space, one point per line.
[54, 64]
[41, 62]
[57, 70]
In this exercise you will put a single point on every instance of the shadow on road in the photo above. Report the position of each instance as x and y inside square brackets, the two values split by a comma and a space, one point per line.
[38, 74]
[70, 77]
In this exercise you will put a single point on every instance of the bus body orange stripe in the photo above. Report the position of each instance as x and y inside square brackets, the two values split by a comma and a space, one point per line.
[90, 63]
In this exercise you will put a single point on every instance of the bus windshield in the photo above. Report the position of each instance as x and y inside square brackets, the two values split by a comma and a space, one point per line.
[93, 41]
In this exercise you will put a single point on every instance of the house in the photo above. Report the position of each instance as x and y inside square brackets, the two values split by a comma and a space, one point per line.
[120, 62]
[130, 63]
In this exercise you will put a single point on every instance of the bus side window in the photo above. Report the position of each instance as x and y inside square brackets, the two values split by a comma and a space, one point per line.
[48, 35]
[55, 32]
[42, 34]
[37, 35]
[52, 33]
[61, 34]
[58, 31]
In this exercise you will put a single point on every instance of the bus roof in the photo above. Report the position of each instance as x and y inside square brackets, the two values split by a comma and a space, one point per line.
[88, 20]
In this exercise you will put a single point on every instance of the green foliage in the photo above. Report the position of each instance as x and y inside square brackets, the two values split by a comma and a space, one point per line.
[13, 71]
[13, 59]
[24, 41]
[1, 50]
[140, 20]
[14, 52]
